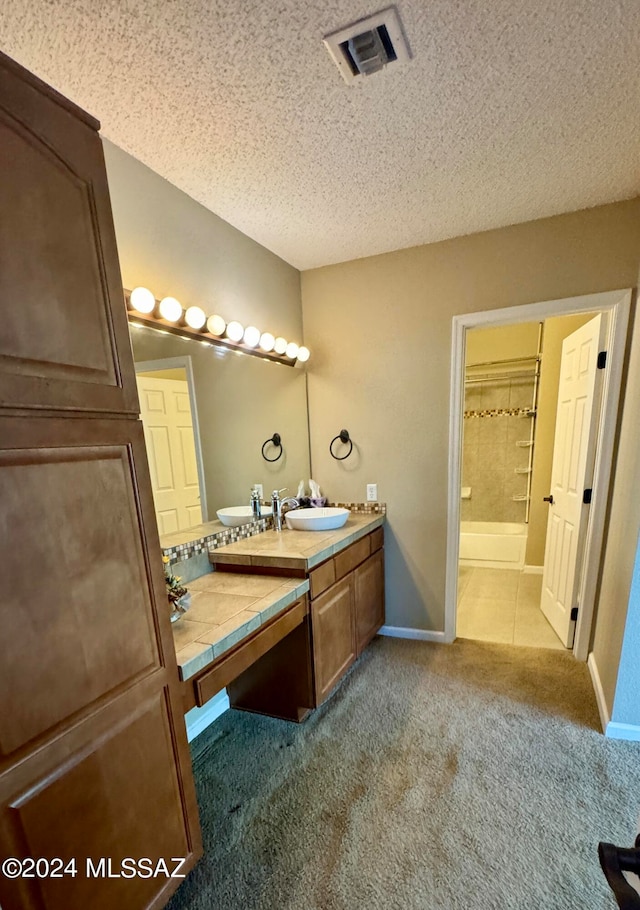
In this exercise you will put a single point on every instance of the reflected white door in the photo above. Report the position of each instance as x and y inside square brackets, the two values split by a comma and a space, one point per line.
[571, 473]
[168, 431]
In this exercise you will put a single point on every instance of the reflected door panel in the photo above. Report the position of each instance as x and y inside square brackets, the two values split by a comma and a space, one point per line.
[168, 429]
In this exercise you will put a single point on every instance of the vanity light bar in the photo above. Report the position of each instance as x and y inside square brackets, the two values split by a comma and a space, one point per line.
[169, 315]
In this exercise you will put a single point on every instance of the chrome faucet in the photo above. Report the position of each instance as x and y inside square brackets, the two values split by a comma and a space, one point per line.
[278, 504]
[256, 506]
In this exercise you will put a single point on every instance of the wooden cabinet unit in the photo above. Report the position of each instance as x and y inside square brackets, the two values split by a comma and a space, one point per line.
[93, 754]
[347, 609]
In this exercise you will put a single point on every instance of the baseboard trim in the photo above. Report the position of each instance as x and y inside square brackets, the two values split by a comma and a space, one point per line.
[603, 711]
[623, 731]
[198, 719]
[533, 570]
[416, 634]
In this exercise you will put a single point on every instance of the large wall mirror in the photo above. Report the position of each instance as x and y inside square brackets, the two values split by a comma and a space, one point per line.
[207, 413]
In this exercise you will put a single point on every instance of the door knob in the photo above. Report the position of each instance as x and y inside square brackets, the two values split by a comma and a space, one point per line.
[548, 499]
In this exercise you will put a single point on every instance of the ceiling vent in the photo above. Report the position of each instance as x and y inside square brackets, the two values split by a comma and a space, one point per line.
[368, 45]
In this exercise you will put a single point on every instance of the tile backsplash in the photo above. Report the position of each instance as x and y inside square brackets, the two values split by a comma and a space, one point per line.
[184, 551]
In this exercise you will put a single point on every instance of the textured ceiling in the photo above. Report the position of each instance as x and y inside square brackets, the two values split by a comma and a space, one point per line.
[510, 110]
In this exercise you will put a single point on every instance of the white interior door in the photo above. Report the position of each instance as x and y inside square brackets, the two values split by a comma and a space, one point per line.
[168, 430]
[571, 473]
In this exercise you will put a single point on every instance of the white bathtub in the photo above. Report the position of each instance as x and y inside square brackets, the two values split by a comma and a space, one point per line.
[493, 544]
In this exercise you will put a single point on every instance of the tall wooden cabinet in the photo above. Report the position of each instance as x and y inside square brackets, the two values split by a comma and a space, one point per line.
[93, 754]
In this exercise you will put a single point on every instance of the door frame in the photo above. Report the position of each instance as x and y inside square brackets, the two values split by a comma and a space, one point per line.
[617, 305]
[175, 363]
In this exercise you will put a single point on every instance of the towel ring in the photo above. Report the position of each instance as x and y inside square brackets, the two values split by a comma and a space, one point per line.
[275, 441]
[343, 436]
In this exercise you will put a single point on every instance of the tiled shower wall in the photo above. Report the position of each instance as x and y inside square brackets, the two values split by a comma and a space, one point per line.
[495, 419]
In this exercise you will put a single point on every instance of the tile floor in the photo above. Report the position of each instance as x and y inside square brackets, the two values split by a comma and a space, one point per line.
[503, 606]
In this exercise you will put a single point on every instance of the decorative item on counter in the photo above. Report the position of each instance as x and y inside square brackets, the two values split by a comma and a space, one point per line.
[302, 497]
[317, 501]
[178, 596]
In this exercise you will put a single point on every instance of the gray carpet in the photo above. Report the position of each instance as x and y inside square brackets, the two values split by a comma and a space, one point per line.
[463, 776]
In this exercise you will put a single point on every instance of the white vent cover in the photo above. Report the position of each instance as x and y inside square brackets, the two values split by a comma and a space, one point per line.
[368, 45]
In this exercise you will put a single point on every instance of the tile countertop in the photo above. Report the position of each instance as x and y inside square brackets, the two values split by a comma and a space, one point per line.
[296, 549]
[225, 608]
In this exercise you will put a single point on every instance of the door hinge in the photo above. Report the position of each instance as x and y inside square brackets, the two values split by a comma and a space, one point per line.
[586, 496]
[602, 360]
[574, 614]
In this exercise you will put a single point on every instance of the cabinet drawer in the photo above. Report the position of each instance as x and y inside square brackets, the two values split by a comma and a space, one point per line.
[377, 539]
[346, 561]
[321, 578]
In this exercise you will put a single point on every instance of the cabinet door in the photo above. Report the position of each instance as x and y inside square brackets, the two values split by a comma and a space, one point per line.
[369, 599]
[64, 343]
[93, 754]
[333, 636]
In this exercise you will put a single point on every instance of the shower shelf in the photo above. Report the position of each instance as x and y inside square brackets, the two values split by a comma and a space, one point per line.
[522, 470]
[524, 443]
[520, 498]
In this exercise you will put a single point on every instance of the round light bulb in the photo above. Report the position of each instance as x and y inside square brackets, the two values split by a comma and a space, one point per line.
[251, 336]
[280, 345]
[267, 341]
[292, 350]
[216, 325]
[142, 300]
[235, 331]
[195, 317]
[170, 309]
[303, 354]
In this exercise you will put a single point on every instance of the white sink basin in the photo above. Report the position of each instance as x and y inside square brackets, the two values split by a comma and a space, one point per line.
[316, 519]
[235, 516]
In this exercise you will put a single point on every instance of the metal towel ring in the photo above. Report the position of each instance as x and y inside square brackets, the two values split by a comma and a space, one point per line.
[343, 436]
[277, 442]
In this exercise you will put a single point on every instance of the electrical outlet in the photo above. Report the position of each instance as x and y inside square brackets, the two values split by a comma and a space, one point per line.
[372, 492]
[258, 487]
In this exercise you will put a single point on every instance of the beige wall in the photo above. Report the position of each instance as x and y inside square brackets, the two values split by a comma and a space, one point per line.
[380, 329]
[555, 331]
[172, 245]
[503, 342]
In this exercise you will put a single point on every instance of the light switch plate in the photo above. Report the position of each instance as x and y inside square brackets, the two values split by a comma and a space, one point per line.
[372, 492]
[258, 487]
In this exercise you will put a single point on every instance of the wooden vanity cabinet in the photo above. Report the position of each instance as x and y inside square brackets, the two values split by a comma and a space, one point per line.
[347, 609]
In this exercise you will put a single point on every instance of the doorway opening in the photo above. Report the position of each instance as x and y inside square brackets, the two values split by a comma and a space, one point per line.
[504, 388]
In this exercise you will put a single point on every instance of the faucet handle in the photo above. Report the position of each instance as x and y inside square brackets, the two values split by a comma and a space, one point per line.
[278, 492]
